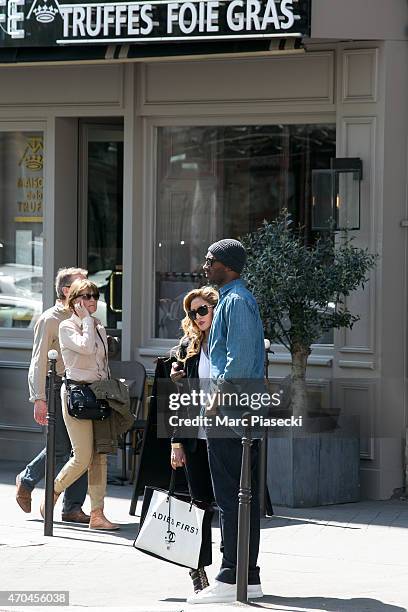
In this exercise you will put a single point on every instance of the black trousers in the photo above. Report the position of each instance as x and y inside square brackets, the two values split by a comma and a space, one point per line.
[225, 456]
[198, 471]
[201, 486]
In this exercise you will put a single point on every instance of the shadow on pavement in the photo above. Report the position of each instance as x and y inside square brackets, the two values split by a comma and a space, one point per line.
[392, 513]
[328, 604]
[105, 543]
[278, 521]
[127, 532]
[320, 604]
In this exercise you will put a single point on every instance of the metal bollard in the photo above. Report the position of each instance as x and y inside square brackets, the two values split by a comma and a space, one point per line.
[244, 517]
[50, 456]
[265, 505]
[263, 447]
[267, 345]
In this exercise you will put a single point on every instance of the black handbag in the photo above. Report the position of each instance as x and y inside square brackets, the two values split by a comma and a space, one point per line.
[82, 402]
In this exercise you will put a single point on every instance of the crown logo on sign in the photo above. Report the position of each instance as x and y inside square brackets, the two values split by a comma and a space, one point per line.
[34, 162]
[32, 157]
[45, 13]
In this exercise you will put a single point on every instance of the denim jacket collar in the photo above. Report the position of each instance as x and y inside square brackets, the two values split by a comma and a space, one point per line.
[225, 288]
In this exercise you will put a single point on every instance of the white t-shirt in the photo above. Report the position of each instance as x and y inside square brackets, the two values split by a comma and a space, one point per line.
[204, 376]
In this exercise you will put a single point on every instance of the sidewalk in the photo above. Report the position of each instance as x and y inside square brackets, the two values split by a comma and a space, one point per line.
[351, 558]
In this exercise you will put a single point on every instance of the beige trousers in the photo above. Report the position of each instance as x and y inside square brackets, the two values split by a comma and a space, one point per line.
[84, 458]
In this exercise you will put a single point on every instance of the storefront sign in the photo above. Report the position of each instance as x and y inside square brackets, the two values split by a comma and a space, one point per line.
[45, 23]
[30, 181]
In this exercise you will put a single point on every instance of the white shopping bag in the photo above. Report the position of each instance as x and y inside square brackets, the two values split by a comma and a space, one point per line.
[171, 528]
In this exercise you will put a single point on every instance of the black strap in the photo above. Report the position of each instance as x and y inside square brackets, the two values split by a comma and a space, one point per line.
[104, 348]
[66, 381]
[171, 491]
[172, 485]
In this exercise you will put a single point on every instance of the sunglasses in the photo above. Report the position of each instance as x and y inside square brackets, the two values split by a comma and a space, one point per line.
[88, 296]
[209, 261]
[201, 311]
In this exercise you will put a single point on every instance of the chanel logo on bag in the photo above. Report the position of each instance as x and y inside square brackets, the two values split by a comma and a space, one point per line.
[170, 538]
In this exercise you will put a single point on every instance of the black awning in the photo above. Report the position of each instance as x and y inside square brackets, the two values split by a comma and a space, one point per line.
[120, 52]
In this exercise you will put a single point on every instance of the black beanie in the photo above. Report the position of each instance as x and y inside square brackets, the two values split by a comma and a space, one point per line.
[230, 252]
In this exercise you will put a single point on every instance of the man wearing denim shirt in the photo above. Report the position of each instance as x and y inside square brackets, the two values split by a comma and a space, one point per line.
[236, 350]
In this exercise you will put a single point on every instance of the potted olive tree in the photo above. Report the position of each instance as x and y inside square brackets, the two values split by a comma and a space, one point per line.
[301, 291]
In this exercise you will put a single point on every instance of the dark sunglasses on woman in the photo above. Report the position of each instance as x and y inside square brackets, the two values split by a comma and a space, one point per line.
[88, 296]
[201, 311]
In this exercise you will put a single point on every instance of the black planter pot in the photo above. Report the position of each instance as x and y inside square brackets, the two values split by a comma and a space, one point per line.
[315, 465]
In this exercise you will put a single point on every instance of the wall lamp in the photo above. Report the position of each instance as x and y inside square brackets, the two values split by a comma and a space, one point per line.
[336, 195]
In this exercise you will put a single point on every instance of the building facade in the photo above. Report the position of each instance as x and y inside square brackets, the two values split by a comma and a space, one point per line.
[131, 166]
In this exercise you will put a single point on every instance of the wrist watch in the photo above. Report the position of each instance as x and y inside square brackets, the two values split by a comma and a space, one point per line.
[176, 445]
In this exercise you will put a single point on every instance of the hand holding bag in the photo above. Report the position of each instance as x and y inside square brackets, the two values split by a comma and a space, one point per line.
[172, 528]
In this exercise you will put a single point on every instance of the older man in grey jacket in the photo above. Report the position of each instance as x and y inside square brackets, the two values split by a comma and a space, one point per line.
[46, 338]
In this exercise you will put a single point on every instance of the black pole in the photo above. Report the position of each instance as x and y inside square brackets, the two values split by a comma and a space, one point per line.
[267, 345]
[263, 445]
[50, 456]
[244, 517]
[262, 476]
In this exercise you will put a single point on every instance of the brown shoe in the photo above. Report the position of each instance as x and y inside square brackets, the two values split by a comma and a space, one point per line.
[99, 521]
[23, 495]
[42, 505]
[76, 516]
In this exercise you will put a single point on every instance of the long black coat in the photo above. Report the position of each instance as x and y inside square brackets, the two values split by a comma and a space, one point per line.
[154, 467]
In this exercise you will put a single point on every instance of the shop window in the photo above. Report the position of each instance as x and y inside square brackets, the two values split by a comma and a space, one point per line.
[21, 228]
[102, 206]
[219, 182]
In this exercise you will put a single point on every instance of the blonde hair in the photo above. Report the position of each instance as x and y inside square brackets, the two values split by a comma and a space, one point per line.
[65, 279]
[192, 333]
[77, 287]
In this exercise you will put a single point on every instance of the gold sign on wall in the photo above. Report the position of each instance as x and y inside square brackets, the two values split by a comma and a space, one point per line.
[30, 183]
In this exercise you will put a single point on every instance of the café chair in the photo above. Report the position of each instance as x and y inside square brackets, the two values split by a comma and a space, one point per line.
[134, 375]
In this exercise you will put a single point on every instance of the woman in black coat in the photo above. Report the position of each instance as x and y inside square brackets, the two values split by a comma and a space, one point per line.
[191, 361]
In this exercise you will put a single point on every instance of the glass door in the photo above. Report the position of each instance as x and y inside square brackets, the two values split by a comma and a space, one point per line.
[101, 215]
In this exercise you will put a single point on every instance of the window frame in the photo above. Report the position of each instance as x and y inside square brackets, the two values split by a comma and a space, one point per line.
[106, 128]
[150, 345]
[23, 338]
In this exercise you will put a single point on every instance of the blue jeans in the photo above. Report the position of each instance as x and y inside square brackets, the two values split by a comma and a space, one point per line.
[34, 472]
[225, 456]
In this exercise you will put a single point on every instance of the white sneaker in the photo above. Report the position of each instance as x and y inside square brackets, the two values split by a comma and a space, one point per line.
[254, 591]
[221, 592]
